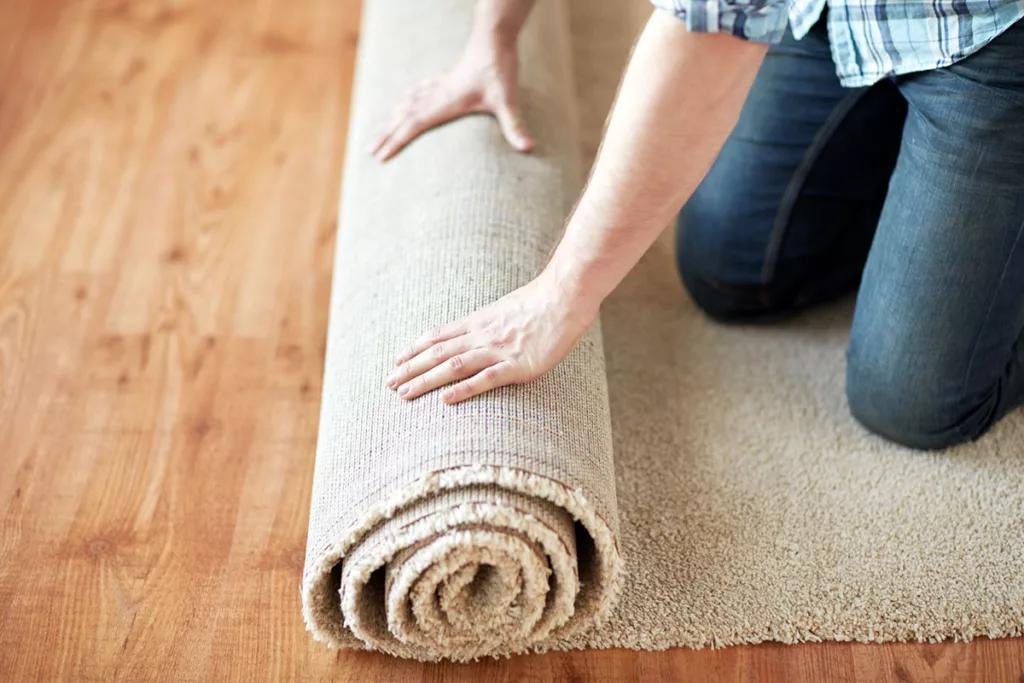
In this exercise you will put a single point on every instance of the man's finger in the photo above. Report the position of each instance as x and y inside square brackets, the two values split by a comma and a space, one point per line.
[513, 127]
[434, 336]
[429, 358]
[398, 116]
[388, 129]
[495, 376]
[455, 368]
[413, 126]
[381, 137]
[402, 136]
[384, 142]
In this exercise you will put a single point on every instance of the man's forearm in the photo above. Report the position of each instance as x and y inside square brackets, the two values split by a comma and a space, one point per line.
[680, 98]
[501, 19]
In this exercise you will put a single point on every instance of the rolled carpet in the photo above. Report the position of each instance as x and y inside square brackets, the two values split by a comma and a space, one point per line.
[742, 504]
[490, 526]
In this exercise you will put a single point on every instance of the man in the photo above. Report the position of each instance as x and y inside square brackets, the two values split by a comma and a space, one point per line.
[878, 142]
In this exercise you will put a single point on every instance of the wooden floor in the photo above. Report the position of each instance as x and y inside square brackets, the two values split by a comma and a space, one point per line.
[168, 178]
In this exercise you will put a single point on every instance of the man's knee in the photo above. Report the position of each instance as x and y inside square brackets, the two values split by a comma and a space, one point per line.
[909, 407]
[721, 280]
[724, 302]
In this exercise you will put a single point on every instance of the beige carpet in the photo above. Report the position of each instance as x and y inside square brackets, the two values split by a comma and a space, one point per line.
[674, 482]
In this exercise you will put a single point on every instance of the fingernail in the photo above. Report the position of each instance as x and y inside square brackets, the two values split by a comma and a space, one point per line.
[391, 381]
[449, 395]
[403, 391]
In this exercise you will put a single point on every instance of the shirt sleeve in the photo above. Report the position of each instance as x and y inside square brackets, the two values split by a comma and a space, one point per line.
[761, 21]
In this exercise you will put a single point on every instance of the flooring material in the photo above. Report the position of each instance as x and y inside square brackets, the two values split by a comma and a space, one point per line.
[743, 501]
[168, 178]
[437, 530]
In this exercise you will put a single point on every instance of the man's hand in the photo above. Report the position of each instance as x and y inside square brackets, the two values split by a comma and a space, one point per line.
[514, 340]
[485, 80]
[680, 98]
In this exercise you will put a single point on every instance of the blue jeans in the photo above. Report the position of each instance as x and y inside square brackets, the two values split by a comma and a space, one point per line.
[912, 189]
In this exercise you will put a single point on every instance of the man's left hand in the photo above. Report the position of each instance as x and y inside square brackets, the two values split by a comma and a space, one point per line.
[514, 340]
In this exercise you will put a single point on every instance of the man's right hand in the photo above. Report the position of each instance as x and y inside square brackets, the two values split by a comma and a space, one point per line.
[485, 80]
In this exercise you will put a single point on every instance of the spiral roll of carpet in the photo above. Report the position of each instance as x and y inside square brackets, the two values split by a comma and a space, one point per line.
[484, 528]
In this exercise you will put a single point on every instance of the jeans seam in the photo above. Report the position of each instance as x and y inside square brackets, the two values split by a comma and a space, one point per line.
[984, 324]
[796, 183]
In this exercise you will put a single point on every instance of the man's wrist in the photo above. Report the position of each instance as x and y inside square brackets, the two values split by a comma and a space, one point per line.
[573, 279]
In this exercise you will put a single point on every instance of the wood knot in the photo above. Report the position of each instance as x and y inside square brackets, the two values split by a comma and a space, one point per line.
[201, 427]
[113, 343]
[175, 254]
[276, 44]
[99, 547]
[291, 352]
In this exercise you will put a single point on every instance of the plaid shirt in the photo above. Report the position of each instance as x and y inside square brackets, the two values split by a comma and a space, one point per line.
[870, 39]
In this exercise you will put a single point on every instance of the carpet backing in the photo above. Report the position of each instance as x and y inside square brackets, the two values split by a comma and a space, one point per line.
[672, 482]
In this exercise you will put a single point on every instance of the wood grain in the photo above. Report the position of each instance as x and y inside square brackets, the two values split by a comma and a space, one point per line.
[168, 179]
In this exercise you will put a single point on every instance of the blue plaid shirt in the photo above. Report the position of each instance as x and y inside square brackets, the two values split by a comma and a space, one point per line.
[870, 39]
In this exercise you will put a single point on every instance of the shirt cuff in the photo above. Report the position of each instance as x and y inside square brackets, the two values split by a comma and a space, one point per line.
[760, 21]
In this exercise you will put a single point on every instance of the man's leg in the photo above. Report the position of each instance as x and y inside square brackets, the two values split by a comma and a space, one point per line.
[937, 352]
[785, 216]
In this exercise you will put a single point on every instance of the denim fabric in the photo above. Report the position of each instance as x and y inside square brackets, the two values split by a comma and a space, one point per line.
[913, 188]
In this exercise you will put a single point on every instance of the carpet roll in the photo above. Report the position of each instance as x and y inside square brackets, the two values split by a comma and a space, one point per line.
[484, 528]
